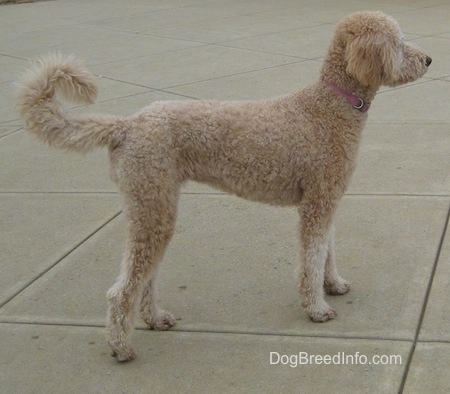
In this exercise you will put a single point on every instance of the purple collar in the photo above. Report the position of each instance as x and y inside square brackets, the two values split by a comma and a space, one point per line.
[354, 100]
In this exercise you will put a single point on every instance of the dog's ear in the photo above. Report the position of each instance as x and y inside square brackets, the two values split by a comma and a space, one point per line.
[372, 59]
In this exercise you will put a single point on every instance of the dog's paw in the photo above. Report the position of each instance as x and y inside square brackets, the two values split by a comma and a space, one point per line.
[124, 355]
[338, 287]
[321, 313]
[320, 317]
[161, 322]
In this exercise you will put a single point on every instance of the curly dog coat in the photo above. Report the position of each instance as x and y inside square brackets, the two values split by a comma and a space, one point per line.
[299, 149]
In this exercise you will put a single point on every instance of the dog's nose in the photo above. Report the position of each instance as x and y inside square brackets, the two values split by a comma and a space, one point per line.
[428, 61]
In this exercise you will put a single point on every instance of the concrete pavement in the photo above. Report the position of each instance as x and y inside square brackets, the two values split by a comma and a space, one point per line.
[228, 275]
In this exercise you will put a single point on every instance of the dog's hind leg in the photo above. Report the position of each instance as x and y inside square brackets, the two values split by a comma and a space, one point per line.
[315, 225]
[151, 220]
[155, 317]
[333, 283]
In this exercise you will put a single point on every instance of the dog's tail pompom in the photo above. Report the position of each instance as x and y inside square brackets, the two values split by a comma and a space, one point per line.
[46, 116]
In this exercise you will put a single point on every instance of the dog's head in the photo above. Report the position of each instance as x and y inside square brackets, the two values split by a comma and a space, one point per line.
[376, 53]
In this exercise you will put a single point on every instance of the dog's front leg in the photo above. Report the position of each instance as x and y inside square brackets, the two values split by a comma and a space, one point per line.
[315, 225]
[333, 283]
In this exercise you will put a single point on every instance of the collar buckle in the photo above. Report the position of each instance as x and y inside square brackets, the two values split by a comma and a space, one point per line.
[361, 104]
[355, 101]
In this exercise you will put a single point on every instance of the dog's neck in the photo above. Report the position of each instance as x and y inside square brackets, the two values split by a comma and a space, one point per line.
[354, 100]
[334, 68]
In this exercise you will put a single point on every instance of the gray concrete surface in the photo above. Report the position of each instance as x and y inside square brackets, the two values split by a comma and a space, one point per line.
[229, 273]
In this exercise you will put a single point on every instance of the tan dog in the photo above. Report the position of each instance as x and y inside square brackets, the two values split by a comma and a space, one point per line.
[299, 149]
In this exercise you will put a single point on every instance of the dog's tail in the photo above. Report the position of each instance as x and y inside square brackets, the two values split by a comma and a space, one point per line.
[45, 115]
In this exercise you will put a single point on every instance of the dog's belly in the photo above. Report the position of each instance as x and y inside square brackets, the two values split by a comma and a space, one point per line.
[265, 188]
[280, 198]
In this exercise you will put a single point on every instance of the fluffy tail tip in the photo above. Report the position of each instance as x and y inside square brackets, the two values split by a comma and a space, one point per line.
[65, 73]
